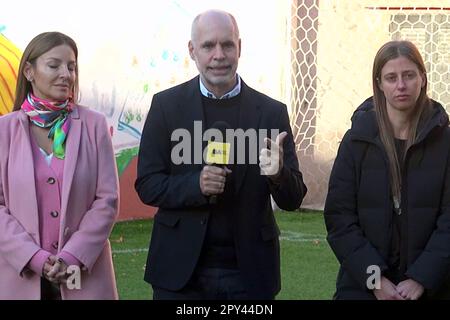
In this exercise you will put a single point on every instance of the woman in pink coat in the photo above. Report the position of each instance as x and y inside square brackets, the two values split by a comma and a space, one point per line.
[58, 183]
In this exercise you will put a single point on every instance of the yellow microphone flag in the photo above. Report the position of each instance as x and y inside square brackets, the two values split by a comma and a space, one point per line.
[218, 153]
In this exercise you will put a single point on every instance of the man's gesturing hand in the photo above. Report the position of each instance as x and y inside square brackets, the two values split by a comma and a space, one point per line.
[271, 158]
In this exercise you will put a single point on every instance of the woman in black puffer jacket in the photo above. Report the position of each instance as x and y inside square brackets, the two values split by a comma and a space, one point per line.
[387, 211]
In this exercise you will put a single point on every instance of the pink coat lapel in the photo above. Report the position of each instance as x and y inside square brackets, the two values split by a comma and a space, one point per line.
[22, 153]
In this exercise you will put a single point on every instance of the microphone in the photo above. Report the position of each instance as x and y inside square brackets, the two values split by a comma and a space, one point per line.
[218, 152]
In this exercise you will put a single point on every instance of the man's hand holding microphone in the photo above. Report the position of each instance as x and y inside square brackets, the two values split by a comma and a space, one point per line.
[212, 180]
[213, 175]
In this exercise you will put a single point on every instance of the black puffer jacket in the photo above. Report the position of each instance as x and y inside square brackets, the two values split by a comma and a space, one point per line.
[358, 209]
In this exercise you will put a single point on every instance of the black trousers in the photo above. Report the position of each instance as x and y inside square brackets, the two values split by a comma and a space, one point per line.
[208, 284]
[49, 291]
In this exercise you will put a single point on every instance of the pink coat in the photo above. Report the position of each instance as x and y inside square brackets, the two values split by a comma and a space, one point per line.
[88, 209]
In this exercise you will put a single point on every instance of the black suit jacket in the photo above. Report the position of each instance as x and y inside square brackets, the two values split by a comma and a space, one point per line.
[181, 221]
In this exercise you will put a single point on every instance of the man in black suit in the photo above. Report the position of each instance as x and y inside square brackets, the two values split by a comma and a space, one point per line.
[228, 249]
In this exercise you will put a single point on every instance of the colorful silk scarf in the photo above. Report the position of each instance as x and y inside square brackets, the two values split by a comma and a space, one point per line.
[53, 115]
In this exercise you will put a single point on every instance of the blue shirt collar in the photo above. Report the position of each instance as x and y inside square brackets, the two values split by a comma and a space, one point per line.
[233, 93]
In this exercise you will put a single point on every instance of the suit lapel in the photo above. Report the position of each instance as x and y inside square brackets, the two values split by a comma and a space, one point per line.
[191, 111]
[194, 109]
[249, 116]
[70, 161]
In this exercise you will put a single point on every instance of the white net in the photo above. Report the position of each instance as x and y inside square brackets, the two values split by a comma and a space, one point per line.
[431, 33]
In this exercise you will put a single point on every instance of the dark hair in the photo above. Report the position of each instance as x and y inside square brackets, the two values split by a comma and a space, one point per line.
[41, 44]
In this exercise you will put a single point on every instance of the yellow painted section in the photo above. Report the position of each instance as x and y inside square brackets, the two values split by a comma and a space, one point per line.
[9, 65]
